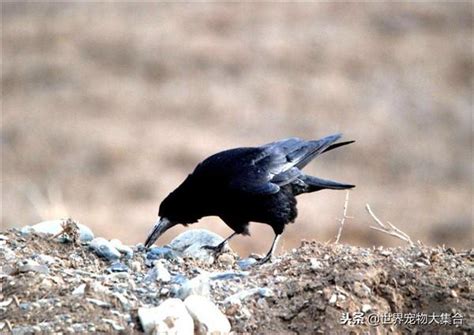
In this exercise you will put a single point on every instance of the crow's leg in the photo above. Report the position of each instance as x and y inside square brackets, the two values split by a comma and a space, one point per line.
[270, 252]
[218, 248]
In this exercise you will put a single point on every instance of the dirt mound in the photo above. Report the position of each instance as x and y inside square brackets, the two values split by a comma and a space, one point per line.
[48, 286]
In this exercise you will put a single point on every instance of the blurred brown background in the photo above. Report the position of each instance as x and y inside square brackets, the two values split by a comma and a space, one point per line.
[107, 107]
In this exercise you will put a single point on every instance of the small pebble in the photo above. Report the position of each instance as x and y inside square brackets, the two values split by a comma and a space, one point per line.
[158, 273]
[245, 313]
[361, 290]
[246, 263]
[103, 248]
[8, 254]
[6, 302]
[244, 294]
[31, 265]
[179, 279]
[46, 284]
[25, 306]
[159, 253]
[199, 285]
[156, 319]
[117, 267]
[315, 264]
[420, 264]
[208, 319]
[265, 292]
[227, 275]
[79, 290]
[98, 302]
[226, 259]
[365, 308]
[124, 249]
[385, 253]
[22, 330]
[135, 266]
[123, 300]
[114, 325]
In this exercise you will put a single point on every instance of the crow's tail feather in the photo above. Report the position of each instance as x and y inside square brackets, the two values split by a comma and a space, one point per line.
[337, 145]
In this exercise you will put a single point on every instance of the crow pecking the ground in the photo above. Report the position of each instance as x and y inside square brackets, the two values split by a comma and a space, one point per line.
[240, 185]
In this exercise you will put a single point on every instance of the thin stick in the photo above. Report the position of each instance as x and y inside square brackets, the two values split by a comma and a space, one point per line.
[9, 326]
[344, 217]
[388, 228]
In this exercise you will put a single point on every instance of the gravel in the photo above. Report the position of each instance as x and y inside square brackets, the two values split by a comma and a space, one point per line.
[49, 285]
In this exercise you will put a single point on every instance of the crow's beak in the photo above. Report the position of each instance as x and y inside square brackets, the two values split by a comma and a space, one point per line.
[162, 225]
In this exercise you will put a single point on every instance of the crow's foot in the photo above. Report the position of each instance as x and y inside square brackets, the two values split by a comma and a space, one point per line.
[216, 249]
[263, 260]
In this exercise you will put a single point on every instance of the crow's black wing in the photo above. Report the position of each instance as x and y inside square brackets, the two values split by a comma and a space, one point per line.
[278, 163]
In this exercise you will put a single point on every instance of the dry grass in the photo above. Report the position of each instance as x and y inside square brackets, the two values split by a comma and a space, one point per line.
[113, 104]
[388, 228]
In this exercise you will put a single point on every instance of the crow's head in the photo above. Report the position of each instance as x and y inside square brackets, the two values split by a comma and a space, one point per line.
[180, 206]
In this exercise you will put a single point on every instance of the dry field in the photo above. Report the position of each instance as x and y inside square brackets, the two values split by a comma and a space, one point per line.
[107, 107]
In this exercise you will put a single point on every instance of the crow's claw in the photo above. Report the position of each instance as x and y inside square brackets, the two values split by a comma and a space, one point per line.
[263, 260]
[216, 249]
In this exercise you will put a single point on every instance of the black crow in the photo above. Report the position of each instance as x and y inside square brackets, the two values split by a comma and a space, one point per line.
[247, 184]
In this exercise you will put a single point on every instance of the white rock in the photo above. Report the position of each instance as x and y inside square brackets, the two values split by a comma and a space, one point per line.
[8, 254]
[5, 303]
[190, 243]
[315, 264]
[31, 265]
[55, 227]
[162, 273]
[80, 290]
[124, 301]
[245, 313]
[98, 302]
[244, 294]
[46, 284]
[114, 325]
[170, 317]
[207, 317]
[366, 308]
[136, 266]
[199, 285]
[104, 248]
[124, 249]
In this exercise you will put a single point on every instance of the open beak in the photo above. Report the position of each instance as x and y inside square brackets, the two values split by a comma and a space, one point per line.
[162, 225]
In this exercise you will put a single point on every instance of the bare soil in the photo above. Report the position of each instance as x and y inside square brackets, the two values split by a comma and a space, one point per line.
[312, 288]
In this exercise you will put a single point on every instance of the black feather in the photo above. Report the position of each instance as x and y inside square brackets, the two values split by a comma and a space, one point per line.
[249, 184]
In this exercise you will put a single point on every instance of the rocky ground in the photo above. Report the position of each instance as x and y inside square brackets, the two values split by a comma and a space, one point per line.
[68, 283]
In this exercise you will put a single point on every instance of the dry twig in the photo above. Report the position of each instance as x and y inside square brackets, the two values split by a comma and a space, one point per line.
[70, 229]
[344, 217]
[9, 326]
[388, 228]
